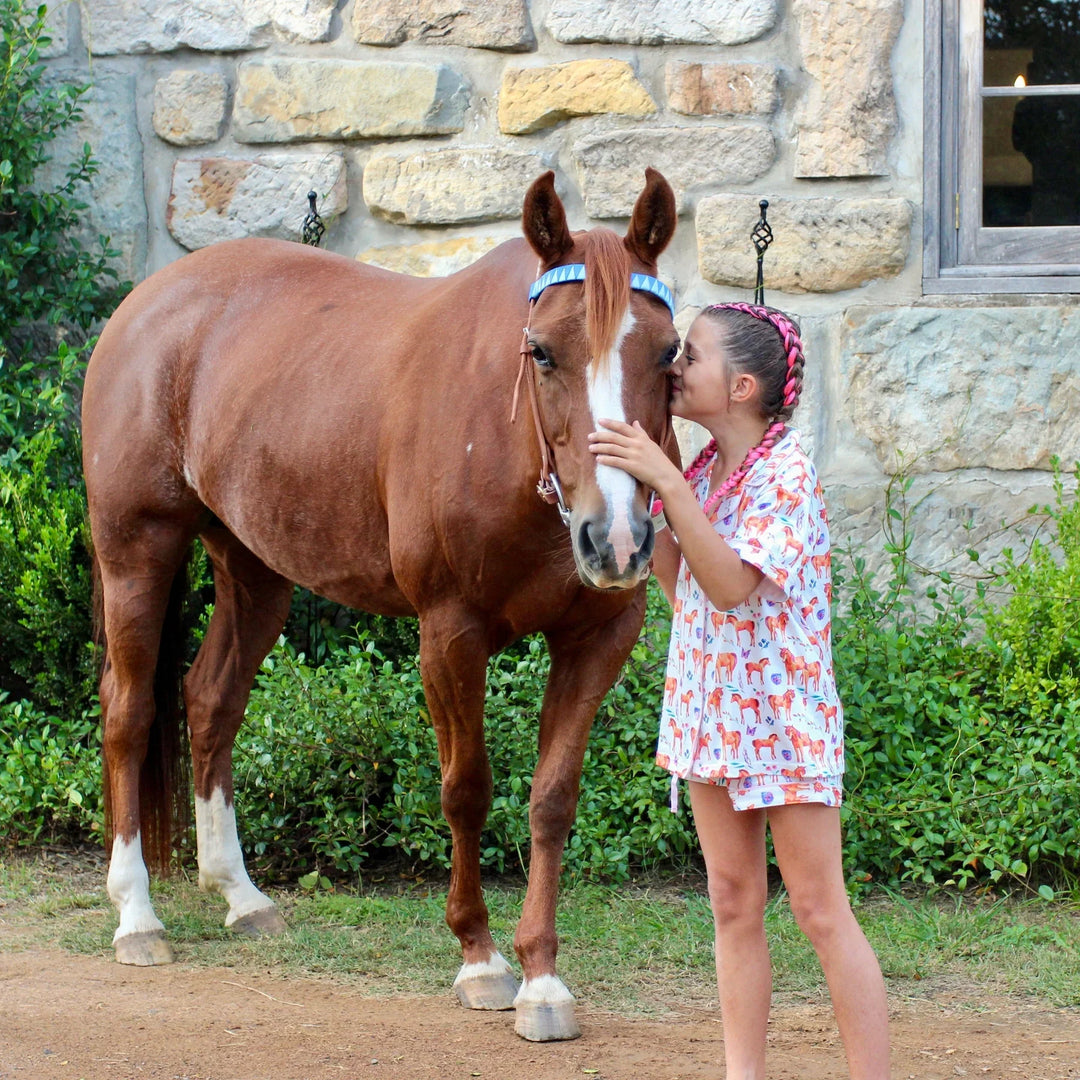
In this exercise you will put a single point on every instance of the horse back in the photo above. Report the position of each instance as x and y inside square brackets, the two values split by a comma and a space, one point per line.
[346, 423]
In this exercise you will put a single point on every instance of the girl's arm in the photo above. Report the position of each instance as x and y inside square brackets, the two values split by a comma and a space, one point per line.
[665, 563]
[723, 576]
[726, 580]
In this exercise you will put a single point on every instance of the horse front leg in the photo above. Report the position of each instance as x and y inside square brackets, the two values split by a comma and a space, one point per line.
[584, 664]
[454, 652]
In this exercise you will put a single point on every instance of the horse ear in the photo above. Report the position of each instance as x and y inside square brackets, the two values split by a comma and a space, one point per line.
[543, 220]
[652, 224]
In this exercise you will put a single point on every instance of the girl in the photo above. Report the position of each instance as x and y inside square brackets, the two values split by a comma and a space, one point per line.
[751, 716]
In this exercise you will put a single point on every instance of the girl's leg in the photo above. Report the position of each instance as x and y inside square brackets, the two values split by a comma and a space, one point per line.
[734, 848]
[806, 840]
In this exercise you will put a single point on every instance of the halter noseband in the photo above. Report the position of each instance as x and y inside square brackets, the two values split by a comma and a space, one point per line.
[548, 487]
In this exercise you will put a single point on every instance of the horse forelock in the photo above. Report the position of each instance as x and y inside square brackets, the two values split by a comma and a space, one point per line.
[607, 291]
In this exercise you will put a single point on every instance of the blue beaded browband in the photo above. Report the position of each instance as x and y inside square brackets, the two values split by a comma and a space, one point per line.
[576, 272]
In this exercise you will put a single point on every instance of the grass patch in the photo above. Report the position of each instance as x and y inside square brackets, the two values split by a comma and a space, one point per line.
[636, 949]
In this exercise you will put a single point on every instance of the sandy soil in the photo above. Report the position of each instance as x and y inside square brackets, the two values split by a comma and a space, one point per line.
[67, 1017]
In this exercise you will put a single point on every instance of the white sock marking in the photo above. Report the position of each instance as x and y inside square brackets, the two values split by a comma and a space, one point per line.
[496, 965]
[543, 990]
[221, 863]
[128, 885]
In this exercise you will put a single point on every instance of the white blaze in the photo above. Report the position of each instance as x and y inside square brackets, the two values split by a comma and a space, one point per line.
[221, 863]
[605, 384]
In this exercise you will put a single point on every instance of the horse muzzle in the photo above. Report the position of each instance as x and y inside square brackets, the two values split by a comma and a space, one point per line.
[610, 558]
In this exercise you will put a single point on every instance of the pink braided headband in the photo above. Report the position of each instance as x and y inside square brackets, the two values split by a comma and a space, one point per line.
[794, 349]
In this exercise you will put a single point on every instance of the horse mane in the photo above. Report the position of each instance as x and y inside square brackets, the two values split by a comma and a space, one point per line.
[607, 290]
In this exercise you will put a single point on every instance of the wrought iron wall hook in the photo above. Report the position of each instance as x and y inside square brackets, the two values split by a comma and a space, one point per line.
[312, 230]
[762, 237]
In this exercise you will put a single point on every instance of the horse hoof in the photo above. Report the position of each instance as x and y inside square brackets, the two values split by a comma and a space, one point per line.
[146, 949]
[263, 922]
[538, 1022]
[496, 991]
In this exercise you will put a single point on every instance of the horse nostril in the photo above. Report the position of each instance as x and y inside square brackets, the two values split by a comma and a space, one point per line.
[587, 546]
[647, 545]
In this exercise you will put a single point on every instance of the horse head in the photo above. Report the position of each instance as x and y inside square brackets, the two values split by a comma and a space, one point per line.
[601, 346]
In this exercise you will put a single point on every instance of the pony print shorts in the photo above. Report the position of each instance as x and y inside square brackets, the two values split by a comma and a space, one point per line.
[761, 792]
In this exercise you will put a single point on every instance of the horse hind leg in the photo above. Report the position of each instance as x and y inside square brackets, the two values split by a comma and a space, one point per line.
[141, 588]
[251, 603]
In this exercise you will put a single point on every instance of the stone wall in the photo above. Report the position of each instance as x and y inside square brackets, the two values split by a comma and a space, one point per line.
[420, 125]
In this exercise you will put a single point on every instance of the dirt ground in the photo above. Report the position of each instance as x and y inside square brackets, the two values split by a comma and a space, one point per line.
[73, 1017]
[67, 1017]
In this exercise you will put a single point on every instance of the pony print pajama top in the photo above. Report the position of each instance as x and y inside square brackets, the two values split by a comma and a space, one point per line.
[750, 697]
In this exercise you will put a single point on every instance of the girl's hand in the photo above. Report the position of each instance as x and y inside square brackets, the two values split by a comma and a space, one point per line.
[628, 447]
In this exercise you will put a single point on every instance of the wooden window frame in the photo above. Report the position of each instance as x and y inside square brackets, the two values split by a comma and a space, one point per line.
[959, 255]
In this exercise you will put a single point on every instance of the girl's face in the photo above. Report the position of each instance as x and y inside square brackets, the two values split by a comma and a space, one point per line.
[700, 383]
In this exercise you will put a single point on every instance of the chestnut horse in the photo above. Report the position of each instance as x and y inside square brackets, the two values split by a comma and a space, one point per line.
[317, 421]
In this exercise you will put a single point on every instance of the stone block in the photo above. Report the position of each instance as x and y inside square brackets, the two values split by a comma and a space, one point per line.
[56, 26]
[722, 89]
[535, 98]
[847, 115]
[112, 27]
[116, 203]
[674, 22]
[977, 509]
[962, 388]
[219, 198]
[611, 166]
[822, 244]
[500, 24]
[189, 107]
[437, 258]
[449, 187]
[292, 100]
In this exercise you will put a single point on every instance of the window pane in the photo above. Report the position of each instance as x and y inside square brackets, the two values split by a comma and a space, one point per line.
[1037, 41]
[1031, 160]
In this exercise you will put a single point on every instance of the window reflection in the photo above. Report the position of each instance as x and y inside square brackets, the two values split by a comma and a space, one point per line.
[1042, 38]
[1031, 161]
[1031, 142]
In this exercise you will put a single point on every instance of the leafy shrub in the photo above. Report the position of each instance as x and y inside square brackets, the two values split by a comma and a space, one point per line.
[963, 725]
[46, 279]
[1035, 633]
[50, 775]
[44, 567]
[45, 274]
[337, 764]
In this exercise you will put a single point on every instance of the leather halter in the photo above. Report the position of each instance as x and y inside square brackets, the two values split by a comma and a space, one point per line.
[548, 486]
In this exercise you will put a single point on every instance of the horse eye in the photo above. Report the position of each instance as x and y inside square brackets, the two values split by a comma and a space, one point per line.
[541, 357]
[670, 356]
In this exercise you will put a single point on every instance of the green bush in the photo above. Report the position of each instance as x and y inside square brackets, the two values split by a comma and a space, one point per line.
[962, 722]
[963, 768]
[963, 731]
[338, 765]
[45, 274]
[50, 775]
[1034, 634]
[44, 569]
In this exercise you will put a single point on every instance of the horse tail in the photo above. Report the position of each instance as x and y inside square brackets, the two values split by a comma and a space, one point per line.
[165, 776]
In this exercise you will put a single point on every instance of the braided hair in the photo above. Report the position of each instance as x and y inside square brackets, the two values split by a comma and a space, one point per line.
[765, 343]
